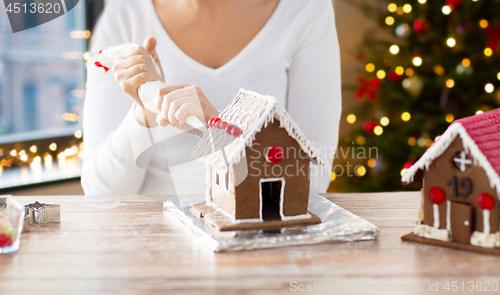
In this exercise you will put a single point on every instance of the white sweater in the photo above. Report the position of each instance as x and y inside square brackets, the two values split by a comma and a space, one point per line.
[295, 57]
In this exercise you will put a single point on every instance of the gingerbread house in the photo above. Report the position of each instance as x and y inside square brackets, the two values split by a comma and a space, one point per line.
[461, 185]
[257, 163]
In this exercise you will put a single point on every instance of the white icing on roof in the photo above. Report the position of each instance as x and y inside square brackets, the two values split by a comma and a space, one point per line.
[442, 144]
[250, 112]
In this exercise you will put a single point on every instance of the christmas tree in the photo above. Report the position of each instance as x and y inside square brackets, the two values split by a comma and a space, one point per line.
[439, 63]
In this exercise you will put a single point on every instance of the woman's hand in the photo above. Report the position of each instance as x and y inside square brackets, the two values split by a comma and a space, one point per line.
[178, 101]
[132, 69]
[135, 67]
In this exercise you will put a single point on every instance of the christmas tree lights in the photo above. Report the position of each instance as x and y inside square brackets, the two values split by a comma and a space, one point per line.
[440, 64]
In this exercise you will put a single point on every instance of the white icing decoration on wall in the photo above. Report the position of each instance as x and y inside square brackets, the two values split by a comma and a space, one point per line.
[429, 232]
[282, 200]
[208, 183]
[486, 221]
[448, 216]
[435, 208]
[485, 240]
[462, 161]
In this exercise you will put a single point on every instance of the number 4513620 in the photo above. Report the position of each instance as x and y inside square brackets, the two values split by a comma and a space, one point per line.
[471, 286]
[33, 8]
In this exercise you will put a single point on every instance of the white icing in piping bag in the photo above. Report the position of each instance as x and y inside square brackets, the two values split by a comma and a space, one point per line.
[147, 91]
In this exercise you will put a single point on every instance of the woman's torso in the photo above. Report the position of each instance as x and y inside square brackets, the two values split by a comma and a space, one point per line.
[261, 66]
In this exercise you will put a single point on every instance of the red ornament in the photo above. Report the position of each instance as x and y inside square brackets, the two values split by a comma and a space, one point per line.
[106, 69]
[369, 126]
[5, 240]
[453, 2]
[485, 201]
[421, 26]
[368, 88]
[275, 154]
[493, 37]
[394, 77]
[436, 195]
[408, 165]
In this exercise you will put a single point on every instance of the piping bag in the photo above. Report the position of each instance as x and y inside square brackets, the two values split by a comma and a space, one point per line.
[147, 91]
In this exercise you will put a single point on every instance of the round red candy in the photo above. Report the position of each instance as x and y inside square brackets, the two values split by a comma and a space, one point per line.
[275, 154]
[233, 130]
[223, 125]
[5, 240]
[236, 131]
[485, 201]
[210, 122]
[216, 122]
[436, 195]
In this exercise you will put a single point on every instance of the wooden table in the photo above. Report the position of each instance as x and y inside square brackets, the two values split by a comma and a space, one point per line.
[125, 245]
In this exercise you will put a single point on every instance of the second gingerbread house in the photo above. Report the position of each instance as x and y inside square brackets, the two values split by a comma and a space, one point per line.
[461, 184]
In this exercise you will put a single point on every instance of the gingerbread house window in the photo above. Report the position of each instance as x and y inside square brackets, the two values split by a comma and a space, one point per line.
[226, 179]
[462, 161]
[217, 178]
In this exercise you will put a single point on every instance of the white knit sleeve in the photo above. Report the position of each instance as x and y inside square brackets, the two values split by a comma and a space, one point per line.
[113, 139]
[314, 91]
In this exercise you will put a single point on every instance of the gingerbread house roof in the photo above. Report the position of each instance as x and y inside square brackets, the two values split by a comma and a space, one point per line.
[481, 139]
[250, 112]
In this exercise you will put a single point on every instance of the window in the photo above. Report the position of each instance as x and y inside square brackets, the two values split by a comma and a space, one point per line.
[462, 161]
[226, 179]
[30, 105]
[42, 87]
[217, 178]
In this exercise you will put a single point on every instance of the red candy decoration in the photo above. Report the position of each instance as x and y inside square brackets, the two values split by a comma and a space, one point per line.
[210, 122]
[223, 125]
[5, 240]
[106, 69]
[236, 131]
[408, 165]
[485, 201]
[436, 195]
[216, 122]
[275, 154]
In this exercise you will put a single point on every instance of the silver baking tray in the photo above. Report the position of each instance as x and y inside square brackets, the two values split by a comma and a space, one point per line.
[337, 225]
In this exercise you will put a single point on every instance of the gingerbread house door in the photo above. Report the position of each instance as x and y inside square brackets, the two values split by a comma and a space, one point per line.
[461, 222]
[271, 198]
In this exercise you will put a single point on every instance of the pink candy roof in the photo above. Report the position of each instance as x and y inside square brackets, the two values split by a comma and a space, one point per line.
[484, 130]
[480, 136]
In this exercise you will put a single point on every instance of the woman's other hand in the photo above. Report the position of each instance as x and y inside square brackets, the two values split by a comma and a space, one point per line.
[176, 102]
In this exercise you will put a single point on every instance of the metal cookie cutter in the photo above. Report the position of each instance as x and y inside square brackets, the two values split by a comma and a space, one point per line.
[38, 213]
